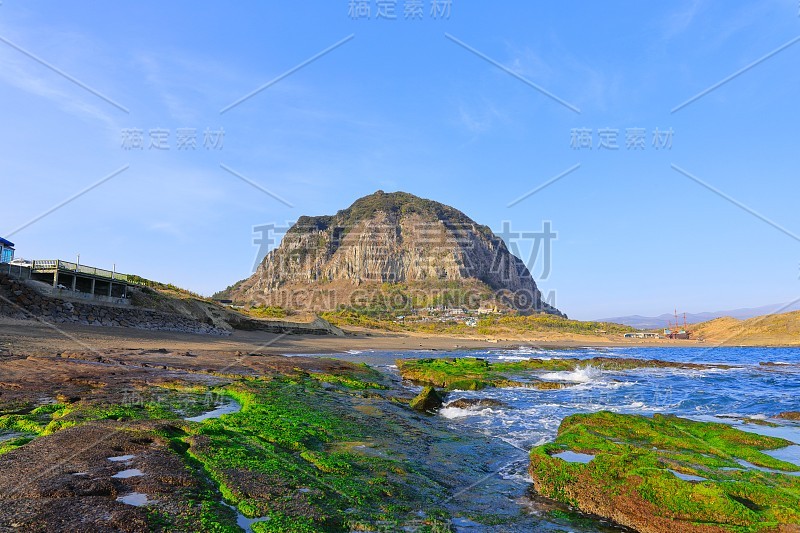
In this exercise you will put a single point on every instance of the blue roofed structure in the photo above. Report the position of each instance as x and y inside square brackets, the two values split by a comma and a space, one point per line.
[6, 251]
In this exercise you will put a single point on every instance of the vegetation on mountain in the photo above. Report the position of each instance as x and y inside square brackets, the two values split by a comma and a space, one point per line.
[433, 253]
[775, 329]
[396, 205]
[505, 325]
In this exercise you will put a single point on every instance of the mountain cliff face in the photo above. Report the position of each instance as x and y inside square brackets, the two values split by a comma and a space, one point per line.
[389, 238]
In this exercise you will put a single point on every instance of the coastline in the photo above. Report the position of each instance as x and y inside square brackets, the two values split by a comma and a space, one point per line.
[37, 337]
[118, 387]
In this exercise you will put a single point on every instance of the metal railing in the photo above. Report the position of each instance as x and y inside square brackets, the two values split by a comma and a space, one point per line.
[48, 265]
[17, 271]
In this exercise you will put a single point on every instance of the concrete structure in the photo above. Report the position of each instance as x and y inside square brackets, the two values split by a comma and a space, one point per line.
[642, 335]
[77, 278]
[23, 300]
[6, 251]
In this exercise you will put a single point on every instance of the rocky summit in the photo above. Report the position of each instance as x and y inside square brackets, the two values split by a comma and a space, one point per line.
[435, 252]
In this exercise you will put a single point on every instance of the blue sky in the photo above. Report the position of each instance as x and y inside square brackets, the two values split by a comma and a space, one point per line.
[400, 106]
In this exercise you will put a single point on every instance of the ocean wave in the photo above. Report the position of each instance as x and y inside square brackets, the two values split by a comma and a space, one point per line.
[524, 352]
[584, 374]
[516, 471]
[458, 412]
[690, 372]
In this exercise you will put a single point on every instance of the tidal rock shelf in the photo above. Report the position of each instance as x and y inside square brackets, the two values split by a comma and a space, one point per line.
[666, 474]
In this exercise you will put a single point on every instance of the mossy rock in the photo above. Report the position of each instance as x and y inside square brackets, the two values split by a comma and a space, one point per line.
[481, 403]
[670, 474]
[474, 373]
[790, 415]
[427, 400]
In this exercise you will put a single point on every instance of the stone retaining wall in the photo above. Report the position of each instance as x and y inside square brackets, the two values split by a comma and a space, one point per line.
[20, 301]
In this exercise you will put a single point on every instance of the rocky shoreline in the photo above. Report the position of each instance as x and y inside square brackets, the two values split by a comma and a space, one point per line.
[669, 474]
[319, 445]
[475, 373]
[107, 440]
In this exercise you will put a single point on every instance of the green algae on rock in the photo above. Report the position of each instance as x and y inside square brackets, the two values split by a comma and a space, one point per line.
[669, 474]
[427, 400]
[474, 373]
[285, 457]
[299, 454]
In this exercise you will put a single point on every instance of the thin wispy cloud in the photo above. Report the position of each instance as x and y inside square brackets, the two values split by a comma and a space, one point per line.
[186, 87]
[480, 118]
[682, 18]
[168, 228]
[590, 87]
[22, 74]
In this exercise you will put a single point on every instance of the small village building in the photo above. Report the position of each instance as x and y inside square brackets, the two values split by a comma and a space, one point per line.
[642, 335]
[6, 251]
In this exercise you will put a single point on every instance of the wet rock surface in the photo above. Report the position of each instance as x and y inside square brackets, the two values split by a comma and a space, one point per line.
[65, 482]
[473, 403]
[472, 373]
[666, 474]
[99, 443]
[428, 400]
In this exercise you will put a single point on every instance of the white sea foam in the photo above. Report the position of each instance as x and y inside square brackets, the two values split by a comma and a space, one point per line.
[583, 374]
[522, 350]
[458, 412]
[517, 471]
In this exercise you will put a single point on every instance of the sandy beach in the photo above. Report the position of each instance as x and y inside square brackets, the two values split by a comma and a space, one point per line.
[38, 337]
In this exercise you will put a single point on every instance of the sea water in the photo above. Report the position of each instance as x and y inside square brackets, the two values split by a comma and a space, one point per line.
[761, 383]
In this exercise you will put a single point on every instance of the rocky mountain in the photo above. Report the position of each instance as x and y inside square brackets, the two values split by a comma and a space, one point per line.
[396, 246]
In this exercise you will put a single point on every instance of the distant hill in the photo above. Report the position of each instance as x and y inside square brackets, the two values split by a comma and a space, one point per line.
[390, 249]
[658, 322]
[764, 330]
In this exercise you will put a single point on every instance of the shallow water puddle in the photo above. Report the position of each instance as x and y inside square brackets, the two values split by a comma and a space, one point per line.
[121, 458]
[137, 499]
[786, 432]
[225, 409]
[574, 457]
[11, 435]
[790, 454]
[465, 523]
[751, 466]
[125, 474]
[686, 477]
[242, 521]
